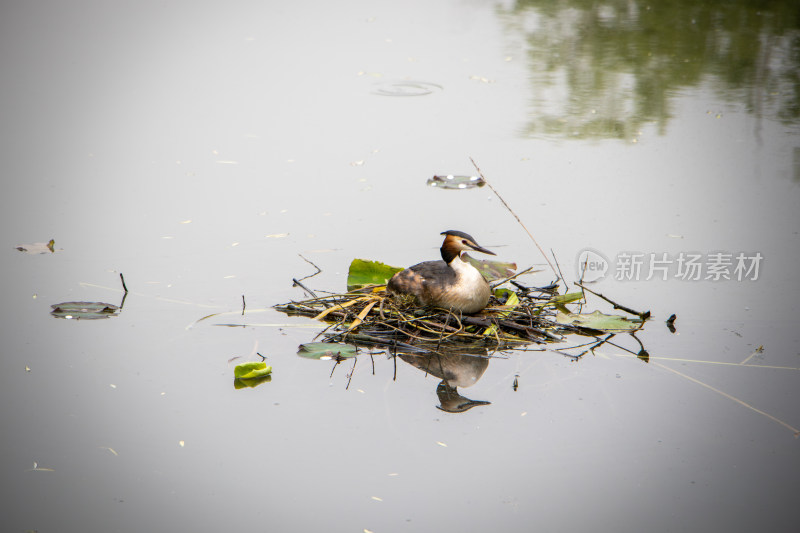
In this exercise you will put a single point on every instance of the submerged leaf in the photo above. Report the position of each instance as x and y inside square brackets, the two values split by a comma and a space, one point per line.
[38, 247]
[363, 273]
[599, 321]
[326, 350]
[84, 310]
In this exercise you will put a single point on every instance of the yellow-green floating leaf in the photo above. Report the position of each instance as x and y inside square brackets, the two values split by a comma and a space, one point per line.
[252, 370]
[251, 375]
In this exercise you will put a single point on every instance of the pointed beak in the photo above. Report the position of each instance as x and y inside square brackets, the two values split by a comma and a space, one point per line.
[481, 249]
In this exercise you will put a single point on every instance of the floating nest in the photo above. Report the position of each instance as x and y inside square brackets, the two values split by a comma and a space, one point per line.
[514, 318]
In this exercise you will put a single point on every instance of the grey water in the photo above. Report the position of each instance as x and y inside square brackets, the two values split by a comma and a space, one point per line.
[212, 152]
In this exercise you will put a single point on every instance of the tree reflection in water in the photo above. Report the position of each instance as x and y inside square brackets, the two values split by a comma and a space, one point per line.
[606, 69]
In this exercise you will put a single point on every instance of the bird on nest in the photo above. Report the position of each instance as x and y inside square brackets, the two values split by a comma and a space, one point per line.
[452, 283]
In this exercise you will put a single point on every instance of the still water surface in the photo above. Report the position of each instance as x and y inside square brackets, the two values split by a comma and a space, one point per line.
[200, 148]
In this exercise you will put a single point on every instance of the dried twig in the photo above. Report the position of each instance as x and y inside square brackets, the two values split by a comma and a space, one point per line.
[297, 283]
[643, 316]
[515, 216]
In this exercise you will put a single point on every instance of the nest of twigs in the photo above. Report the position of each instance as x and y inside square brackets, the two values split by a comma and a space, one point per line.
[370, 316]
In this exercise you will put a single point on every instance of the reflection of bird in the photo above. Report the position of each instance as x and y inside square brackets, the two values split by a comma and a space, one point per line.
[452, 402]
[455, 370]
[452, 283]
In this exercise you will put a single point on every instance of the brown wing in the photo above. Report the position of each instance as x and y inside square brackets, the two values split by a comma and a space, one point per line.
[426, 281]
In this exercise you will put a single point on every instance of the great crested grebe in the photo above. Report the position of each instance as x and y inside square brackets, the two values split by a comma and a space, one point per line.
[452, 283]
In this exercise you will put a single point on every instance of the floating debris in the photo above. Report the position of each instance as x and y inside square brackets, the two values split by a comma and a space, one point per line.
[38, 247]
[405, 88]
[456, 182]
[671, 323]
[84, 310]
[37, 468]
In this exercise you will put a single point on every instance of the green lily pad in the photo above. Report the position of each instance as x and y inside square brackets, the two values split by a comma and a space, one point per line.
[84, 310]
[363, 273]
[599, 321]
[492, 270]
[326, 350]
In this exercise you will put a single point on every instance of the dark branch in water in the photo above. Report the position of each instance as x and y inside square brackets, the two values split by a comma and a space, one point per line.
[312, 264]
[643, 316]
[337, 359]
[394, 358]
[591, 347]
[643, 354]
[296, 283]
[244, 306]
[124, 288]
[350, 375]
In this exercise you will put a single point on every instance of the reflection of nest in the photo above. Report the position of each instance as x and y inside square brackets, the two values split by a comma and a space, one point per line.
[370, 316]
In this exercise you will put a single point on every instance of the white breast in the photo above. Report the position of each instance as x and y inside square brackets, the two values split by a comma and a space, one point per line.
[471, 292]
